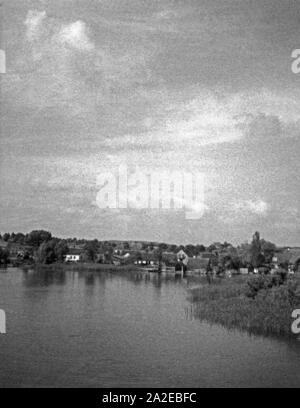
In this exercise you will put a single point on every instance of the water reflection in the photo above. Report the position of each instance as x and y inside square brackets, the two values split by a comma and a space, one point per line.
[58, 276]
[126, 329]
[43, 277]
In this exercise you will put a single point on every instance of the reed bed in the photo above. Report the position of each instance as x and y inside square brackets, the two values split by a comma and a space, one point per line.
[230, 303]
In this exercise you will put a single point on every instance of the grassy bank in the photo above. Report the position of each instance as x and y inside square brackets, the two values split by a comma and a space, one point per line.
[260, 305]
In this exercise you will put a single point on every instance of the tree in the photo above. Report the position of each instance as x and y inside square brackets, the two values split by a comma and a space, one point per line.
[90, 251]
[255, 249]
[144, 246]
[52, 251]
[268, 249]
[172, 248]
[211, 248]
[200, 248]
[162, 246]
[37, 237]
[4, 255]
[190, 250]
[230, 262]
[19, 238]
[244, 253]
[6, 236]
[46, 252]
[151, 246]
[61, 249]
[257, 257]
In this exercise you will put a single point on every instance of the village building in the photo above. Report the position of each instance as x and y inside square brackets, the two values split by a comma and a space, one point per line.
[288, 258]
[146, 258]
[182, 257]
[73, 255]
[198, 265]
[294, 262]
[169, 258]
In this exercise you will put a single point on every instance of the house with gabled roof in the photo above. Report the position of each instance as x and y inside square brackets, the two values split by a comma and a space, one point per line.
[182, 257]
[294, 261]
[73, 255]
[289, 257]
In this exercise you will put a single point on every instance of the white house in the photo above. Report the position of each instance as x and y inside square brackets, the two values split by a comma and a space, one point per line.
[73, 255]
[182, 257]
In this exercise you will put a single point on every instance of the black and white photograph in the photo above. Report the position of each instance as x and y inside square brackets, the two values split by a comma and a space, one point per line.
[149, 197]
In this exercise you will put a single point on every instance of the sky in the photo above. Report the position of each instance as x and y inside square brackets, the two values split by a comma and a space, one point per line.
[159, 86]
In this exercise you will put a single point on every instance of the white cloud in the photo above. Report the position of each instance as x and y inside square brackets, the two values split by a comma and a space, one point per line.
[33, 23]
[206, 120]
[285, 107]
[211, 119]
[258, 207]
[75, 35]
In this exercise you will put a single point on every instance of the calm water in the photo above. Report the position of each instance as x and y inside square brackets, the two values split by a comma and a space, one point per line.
[126, 330]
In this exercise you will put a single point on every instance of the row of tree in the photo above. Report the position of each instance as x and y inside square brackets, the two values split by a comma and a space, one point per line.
[37, 237]
[34, 238]
[48, 249]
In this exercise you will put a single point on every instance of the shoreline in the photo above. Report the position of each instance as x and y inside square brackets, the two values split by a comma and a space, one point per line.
[87, 266]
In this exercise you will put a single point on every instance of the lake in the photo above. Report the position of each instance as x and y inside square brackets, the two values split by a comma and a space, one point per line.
[126, 329]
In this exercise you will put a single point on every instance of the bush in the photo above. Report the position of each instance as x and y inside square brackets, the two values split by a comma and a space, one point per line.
[266, 308]
[263, 282]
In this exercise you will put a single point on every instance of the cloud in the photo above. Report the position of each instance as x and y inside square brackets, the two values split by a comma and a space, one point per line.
[33, 23]
[257, 207]
[206, 120]
[75, 35]
[184, 122]
[242, 212]
[51, 78]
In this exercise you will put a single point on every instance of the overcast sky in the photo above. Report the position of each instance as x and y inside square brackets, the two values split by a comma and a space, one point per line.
[165, 85]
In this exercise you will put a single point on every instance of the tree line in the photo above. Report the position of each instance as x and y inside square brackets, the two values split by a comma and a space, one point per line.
[47, 249]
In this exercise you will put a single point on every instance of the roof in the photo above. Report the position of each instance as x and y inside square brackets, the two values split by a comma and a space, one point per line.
[290, 256]
[149, 256]
[169, 256]
[198, 263]
[181, 253]
[207, 255]
[295, 257]
[74, 251]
